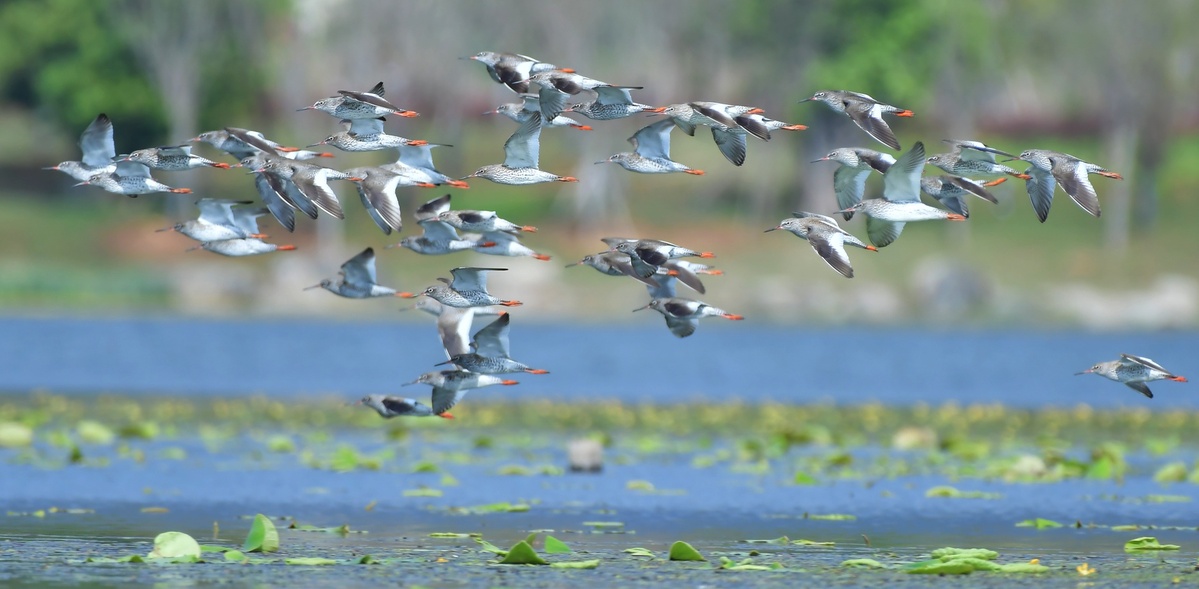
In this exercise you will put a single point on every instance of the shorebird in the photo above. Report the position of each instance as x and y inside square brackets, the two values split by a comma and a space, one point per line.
[728, 135]
[973, 157]
[951, 191]
[130, 179]
[900, 203]
[614, 263]
[247, 220]
[453, 323]
[611, 102]
[366, 135]
[312, 181]
[215, 223]
[490, 354]
[512, 69]
[98, 149]
[761, 126]
[359, 281]
[450, 386]
[849, 181]
[439, 237]
[866, 112]
[529, 104]
[521, 154]
[502, 243]
[416, 163]
[280, 195]
[826, 237]
[647, 255]
[1050, 168]
[171, 158]
[683, 315]
[467, 289]
[360, 105]
[470, 220]
[389, 406]
[651, 152]
[226, 141]
[377, 191]
[557, 86]
[1133, 371]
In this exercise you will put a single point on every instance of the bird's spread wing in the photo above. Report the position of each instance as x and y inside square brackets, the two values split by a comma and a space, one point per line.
[732, 145]
[1072, 175]
[849, 184]
[881, 232]
[492, 340]
[830, 245]
[1143, 362]
[438, 230]
[867, 116]
[276, 204]
[1040, 190]
[453, 325]
[523, 148]
[366, 126]
[901, 182]
[97, 144]
[613, 95]
[653, 140]
[445, 399]
[471, 278]
[433, 208]
[360, 269]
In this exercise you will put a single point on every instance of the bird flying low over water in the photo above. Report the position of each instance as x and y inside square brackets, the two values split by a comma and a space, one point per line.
[489, 352]
[826, 237]
[467, 289]
[1134, 372]
[450, 387]
[216, 221]
[359, 281]
[683, 315]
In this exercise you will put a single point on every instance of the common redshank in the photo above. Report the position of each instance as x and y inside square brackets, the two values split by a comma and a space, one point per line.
[1133, 371]
[951, 191]
[389, 406]
[490, 353]
[826, 237]
[502, 243]
[513, 69]
[557, 86]
[130, 179]
[450, 386]
[849, 181]
[171, 158]
[651, 152]
[98, 149]
[377, 191]
[866, 112]
[360, 105]
[416, 163]
[972, 157]
[529, 104]
[1050, 168]
[366, 135]
[683, 315]
[614, 263]
[467, 289]
[900, 203]
[472, 220]
[215, 223]
[359, 281]
[720, 117]
[611, 102]
[521, 155]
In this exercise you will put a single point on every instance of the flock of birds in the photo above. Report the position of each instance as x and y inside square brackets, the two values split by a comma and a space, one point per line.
[286, 182]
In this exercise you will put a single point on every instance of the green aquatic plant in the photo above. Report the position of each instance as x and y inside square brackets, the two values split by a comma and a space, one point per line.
[94, 432]
[1173, 472]
[683, 551]
[522, 553]
[864, 563]
[954, 493]
[746, 564]
[1038, 523]
[576, 564]
[836, 517]
[15, 435]
[263, 536]
[641, 552]
[309, 561]
[175, 545]
[555, 546]
[1147, 544]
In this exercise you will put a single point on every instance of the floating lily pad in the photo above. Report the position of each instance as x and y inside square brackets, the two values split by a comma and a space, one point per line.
[155, 510]
[343, 529]
[455, 535]
[423, 492]
[949, 553]
[836, 517]
[489, 547]
[1174, 472]
[747, 564]
[803, 478]
[864, 563]
[263, 536]
[15, 435]
[94, 432]
[576, 564]
[1038, 523]
[522, 553]
[1147, 543]
[953, 493]
[639, 485]
[779, 540]
[173, 545]
[683, 551]
[939, 567]
[803, 542]
[638, 551]
[1023, 567]
[236, 556]
[555, 546]
[368, 559]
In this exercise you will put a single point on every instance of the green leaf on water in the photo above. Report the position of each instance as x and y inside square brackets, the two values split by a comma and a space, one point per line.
[953, 493]
[576, 564]
[638, 551]
[343, 529]
[1038, 523]
[838, 517]
[803, 542]
[15, 435]
[556, 546]
[263, 536]
[455, 535]
[212, 548]
[681, 550]
[1125, 528]
[949, 553]
[522, 553]
[502, 507]
[779, 540]
[425, 466]
[864, 563]
[174, 544]
[368, 559]
[94, 432]
[747, 564]
[639, 485]
[309, 561]
[281, 444]
[1167, 499]
[938, 567]
[1147, 543]
[803, 478]
[979, 564]
[604, 524]
[236, 556]
[1023, 567]
[1174, 472]
[489, 547]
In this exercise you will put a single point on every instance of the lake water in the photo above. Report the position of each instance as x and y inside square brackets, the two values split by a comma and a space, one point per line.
[628, 362]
